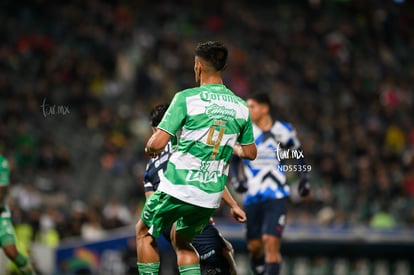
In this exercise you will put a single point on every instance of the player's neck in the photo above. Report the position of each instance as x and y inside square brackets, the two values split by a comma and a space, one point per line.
[265, 123]
[210, 79]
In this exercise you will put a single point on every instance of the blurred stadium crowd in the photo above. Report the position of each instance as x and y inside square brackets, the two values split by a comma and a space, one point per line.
[77, 82]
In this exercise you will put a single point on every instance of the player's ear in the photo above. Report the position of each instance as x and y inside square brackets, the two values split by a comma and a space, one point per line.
[197, 61]
[197, 65]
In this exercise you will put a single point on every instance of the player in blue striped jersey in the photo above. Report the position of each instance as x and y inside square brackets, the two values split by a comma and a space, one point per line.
[216, 253]
[264, 182]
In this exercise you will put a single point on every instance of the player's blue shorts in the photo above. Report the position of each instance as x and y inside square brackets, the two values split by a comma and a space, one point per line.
[211, 248]
[266, 217]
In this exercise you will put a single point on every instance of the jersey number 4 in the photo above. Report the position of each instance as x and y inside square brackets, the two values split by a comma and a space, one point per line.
[216, 142]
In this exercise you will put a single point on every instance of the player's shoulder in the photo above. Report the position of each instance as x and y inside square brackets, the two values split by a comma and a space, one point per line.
[283, 126]
[183, 94]
[189, 91]
[241, 101]
[181, 97]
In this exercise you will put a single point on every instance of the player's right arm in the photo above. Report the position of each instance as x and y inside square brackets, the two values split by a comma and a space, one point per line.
[157, 143]
[171, 122]
[248, 151]
[246, 147]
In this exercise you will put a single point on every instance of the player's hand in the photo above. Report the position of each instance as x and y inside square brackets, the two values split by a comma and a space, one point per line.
[238, 214]
[304, 187]
[240, 186]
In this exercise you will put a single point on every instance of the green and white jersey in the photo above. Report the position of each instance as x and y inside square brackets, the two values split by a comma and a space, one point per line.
[4, 171]
[4, 177]
[209, 121]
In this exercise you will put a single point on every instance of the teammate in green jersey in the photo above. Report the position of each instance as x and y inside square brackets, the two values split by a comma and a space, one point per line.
[211, 123]
[7, 235]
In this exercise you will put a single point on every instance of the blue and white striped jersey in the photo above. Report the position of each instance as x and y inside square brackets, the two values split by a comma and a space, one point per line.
[154, 165]
[265, 179]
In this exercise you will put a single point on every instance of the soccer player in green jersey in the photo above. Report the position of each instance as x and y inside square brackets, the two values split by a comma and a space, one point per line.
[211, 123]
[7, 235]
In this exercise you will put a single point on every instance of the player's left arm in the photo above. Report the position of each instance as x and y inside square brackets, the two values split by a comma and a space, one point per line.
[237, 213]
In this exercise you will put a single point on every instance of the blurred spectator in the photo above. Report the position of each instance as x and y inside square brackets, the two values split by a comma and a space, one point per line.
[25, 148]
[49, 223]
[76, 219]
[27, 197]
[116, 214]
[92, 229]
[383, 220]
[408, 182]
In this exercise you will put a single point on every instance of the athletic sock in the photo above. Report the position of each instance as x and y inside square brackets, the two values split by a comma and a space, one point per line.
[258, 265]
[148, 268]
[23, 264]
[272, 268]
[191, 269]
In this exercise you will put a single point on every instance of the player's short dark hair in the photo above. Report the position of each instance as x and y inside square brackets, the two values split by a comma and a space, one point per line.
[157, 113]
[214, 53]
[261, 98]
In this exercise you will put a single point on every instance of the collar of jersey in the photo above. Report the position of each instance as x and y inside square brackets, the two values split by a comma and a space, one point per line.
[212, 84]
